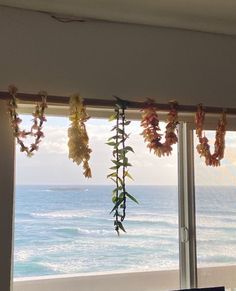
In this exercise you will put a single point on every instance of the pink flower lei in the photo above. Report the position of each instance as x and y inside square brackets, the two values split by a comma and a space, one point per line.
[38, 120]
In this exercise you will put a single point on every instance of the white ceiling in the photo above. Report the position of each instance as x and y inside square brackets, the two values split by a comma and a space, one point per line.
[218, 16]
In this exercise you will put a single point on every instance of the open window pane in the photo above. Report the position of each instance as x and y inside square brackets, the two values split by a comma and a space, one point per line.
[63, 226]
[216, 217]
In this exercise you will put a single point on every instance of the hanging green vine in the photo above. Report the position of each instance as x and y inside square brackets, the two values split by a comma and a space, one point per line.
[121, 164]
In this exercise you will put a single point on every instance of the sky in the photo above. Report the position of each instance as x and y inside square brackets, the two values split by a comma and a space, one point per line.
[51, 165]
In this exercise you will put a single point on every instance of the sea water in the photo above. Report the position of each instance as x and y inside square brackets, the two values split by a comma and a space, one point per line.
[68, 229]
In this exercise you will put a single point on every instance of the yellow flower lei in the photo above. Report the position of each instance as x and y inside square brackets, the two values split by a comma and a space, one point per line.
[79, 150]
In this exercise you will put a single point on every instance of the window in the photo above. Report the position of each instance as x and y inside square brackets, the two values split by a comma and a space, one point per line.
[62, 223]
[84, 223]
[216, 218]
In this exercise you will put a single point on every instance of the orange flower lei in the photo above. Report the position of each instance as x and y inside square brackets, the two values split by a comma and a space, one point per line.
[150, 123]
[203, 147]
[38, 120]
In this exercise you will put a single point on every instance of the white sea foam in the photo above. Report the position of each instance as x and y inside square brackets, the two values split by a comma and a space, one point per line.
[65, 214]
[95, 231]
[23, 255]
[84, 231]
[80, 241]
[217, 222]
[46, 190]
[80, 265]
[62, 268]
[171, 220]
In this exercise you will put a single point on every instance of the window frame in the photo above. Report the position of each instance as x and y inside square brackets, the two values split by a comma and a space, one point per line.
[186, 187]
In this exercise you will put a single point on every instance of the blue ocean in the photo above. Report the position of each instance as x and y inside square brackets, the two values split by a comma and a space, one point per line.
[68, 229]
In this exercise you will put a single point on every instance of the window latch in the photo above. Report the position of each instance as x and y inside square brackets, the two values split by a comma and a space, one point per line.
[184, 234]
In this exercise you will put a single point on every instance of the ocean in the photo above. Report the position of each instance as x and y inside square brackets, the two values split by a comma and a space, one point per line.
[68, 229]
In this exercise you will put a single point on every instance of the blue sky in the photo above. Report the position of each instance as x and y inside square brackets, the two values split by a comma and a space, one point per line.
[51, 165]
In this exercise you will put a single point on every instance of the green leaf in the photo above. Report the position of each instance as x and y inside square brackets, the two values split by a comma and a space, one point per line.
[127, 174]
[114, 191]
[117, 163]
[111, 143]
[125, 150]
[122, 194]
[120, 180]
[113, 117]
[114, 167]
[125, 160]
[120, 225]
[117, 189]
[114, 137]
[121, 131]
[116, 205]
[122, 152]
[111, 175]
[113, 180]
[129, 149]
[127, 122]
[132, 197]
[127, 165]
[113, 128]
[114, 199]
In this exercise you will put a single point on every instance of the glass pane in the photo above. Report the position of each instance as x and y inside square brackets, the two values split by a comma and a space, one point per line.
[216, 217]
[63, 225]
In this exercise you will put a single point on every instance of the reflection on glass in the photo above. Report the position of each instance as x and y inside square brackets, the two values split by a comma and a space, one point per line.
[63, 225]
[216, 217]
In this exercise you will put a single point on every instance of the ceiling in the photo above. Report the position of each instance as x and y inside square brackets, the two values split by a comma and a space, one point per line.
[218, 16]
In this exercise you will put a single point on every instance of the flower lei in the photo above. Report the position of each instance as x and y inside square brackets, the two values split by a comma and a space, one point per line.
[150, 123]
[79, 150]
[38, 120]
[203, 147]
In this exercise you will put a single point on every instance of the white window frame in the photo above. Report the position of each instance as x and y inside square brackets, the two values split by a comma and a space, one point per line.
[186, 191]
[186, 208]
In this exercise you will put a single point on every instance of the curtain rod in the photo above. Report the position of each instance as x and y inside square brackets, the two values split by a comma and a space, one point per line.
[103, 103]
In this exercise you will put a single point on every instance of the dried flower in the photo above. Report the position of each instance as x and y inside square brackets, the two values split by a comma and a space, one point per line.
[203, 147]
[38, 120]
[79, 150]
[150, 123]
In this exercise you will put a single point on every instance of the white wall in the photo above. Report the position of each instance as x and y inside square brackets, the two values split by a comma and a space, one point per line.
[7, 175]
[101, 59]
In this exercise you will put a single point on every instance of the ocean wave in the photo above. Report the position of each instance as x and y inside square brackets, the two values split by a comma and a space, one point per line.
[45, 190]
[84, 231]
[218, 259]
[23, 255]
[82, 266]
[68, 189]
[95, 231]
[65, 214]
[63, 267]
[168, 221]
[216, 222]
[61, 189]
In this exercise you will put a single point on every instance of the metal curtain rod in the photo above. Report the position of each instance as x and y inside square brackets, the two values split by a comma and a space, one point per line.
[111, 103]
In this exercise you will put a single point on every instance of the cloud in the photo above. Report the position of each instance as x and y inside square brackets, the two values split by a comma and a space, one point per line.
[51, 164]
